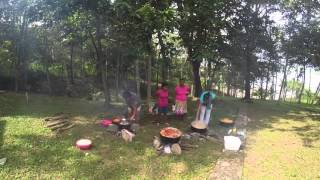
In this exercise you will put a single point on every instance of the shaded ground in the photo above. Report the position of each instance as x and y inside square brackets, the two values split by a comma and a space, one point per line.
[34, 152]
[230, 164]
[284, 142]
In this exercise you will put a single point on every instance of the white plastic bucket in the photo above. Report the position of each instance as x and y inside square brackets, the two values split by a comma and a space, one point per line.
[232, 143]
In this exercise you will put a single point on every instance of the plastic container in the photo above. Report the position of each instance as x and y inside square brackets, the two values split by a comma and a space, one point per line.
[232, 143]
[106, 122]
[84, 144]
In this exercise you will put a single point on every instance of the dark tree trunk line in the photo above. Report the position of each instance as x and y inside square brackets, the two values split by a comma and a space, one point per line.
[275, 87]
[303, 84]
[209, 82]
[48, 57]
[196, 77]
[70, 66]
[164, 69]
[267, 84]
[247, 78]
[21, 64]
[272, 87]
[148, 58]
[261, 88]
[119, 60]
[137, 76]
[101, 60]
[284, 81]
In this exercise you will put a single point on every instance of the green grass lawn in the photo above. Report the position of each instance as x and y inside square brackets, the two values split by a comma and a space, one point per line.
[34, 152]
[284, 142]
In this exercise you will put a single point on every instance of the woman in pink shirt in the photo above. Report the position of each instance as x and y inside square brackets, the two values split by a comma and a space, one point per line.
[182, 92]
[162, 101]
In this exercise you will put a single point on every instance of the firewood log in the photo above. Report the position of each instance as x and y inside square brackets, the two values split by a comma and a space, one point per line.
[56, 122]
[59, 126]
[65, 128]
[56, 117]
[189, 145]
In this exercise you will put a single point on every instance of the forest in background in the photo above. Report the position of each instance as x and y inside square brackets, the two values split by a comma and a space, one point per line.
[82, 47]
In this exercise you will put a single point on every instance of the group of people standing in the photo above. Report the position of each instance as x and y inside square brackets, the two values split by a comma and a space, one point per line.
[181, 96]
[205, 103]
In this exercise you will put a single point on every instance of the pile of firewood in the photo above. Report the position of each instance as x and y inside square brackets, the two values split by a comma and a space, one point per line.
[58, 123]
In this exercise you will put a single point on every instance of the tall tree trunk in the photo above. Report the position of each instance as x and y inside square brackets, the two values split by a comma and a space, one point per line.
[272, 87]
[267, 85]
[82, 60]
[303, 83]
[309, 89]
[16, 77]
[253, 86]
[208, 81]
[23, 51]
[284, 81]
[149, 62]
[275, 87]
[196, 77]
[48, 79]
[20, 65]
[137, 72]
[228, 89]
[117, 74]
[71, 64]
[163, 55]
[98, 59]
[261, 88]
[157, 69]
[247, 79]
[69, 86]
[102, 62]
[48, 57]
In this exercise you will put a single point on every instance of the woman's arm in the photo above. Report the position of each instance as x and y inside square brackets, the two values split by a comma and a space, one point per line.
[134, 112]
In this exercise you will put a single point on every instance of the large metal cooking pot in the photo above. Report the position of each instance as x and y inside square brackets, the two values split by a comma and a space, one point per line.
[170, 135]
[124, 124]
[199, 127]
[226, 122]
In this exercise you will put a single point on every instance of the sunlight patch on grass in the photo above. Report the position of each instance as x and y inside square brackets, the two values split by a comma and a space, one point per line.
[279, 149]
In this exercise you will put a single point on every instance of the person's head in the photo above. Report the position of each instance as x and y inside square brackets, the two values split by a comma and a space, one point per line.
[126, 94]
[181, 82]
[164, 85]
[159, 85]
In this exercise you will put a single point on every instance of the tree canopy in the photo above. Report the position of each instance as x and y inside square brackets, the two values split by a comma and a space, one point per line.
[78, 47]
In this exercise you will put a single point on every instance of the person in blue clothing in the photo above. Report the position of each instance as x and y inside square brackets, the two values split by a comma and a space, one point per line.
[206, 106]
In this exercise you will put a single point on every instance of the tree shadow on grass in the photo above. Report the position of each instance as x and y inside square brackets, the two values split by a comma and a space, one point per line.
[47, 156]
[271, 115]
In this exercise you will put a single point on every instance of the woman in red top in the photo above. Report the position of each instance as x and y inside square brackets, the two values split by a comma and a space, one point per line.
[181, 92]
[162, 99]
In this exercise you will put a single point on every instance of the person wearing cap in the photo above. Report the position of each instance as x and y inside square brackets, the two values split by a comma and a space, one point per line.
[206, 105]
